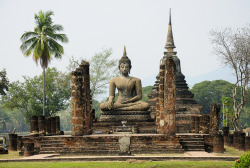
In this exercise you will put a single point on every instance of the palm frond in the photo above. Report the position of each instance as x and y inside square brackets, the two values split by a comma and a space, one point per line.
[55, 48]
[30, 49]
[27, 35]
[57, 27]
[27, 43]
[61, 37]
[37, 51]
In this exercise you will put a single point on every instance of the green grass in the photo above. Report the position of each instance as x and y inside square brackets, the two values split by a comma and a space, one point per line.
[138, 164]
[230, 151]
[11, 155]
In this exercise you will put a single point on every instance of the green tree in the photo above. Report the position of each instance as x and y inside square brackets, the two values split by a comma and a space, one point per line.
[4, 118]
[233, 48]
[3, 82]
[42, 42]
[207, 92]
[26, 96]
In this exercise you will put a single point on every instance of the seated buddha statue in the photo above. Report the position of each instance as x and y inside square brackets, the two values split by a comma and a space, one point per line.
[129, 90]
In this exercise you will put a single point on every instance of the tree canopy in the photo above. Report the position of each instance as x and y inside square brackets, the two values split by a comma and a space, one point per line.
[208, 92]
[4, 82]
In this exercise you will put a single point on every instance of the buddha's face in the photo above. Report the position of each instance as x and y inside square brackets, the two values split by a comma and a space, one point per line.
[124, 69]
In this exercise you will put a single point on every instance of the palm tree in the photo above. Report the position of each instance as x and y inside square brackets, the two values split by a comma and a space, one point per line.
[42, 42]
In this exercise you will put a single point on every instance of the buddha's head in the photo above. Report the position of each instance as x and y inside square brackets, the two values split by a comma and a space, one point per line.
[124, 63]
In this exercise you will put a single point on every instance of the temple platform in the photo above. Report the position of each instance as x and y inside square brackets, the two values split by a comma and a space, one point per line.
[109, 144]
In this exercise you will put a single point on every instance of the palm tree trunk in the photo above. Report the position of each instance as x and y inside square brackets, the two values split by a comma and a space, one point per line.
[44, 91]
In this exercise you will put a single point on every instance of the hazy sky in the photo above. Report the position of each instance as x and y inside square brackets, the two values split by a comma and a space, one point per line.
[141, 25]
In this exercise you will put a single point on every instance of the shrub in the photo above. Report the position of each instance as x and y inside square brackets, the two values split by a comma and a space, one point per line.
[243, 161]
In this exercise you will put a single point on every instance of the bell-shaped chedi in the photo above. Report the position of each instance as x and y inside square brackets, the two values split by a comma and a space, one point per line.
[186, 106]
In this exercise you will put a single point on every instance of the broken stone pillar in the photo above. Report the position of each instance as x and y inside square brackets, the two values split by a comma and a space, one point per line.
[235, 139]
[225, 131]
[34, 130]
[28, 149]
[204, 124]
[229, 140]
[53, 126]
[81, 101]
[214, 119]
[197, 124]
[12, 142]
[19, 143]
[48, 125]
[167, 98]
[57, 125]
[192, 125]
[218, 143]
[241, 141]
[41, 125]
[247, 143]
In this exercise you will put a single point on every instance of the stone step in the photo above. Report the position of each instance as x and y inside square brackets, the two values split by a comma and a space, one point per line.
[194, 148]
[52, 145]
[186, 143]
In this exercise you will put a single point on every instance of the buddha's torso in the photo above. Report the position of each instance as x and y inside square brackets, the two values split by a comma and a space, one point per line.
[126, 87]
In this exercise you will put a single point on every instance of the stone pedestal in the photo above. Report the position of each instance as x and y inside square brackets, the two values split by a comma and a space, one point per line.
[41, 125]
[34, 130]
[28, 149]
[12, 142]
[218, 143]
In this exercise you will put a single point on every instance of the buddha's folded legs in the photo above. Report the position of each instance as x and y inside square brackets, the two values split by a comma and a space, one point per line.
[135, 106]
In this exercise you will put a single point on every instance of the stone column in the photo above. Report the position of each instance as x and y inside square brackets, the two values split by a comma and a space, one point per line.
[12, 142]
[48, 125]
[160, 101]
[28, 149]
[19, 143]
[34, 130]
[57, 125]
[204, 124]
[235, 139]
[167, 98]
[87, 97]
[218, 143]
[192, 126]
[41, 125]
[214, 119]
[53, 125]
[81, 101]
[247, 143]
[241, 140]
[197, 124]
[229, 140]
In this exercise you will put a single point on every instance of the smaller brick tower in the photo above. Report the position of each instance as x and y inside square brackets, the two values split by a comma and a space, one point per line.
[81, 101]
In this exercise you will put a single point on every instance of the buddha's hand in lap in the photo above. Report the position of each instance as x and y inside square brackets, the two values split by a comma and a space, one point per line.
[110, 105]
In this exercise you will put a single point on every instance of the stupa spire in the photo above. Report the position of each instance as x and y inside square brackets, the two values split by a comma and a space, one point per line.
[170, 40]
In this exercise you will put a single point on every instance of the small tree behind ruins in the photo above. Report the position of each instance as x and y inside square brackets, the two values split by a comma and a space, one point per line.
[233, 49]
